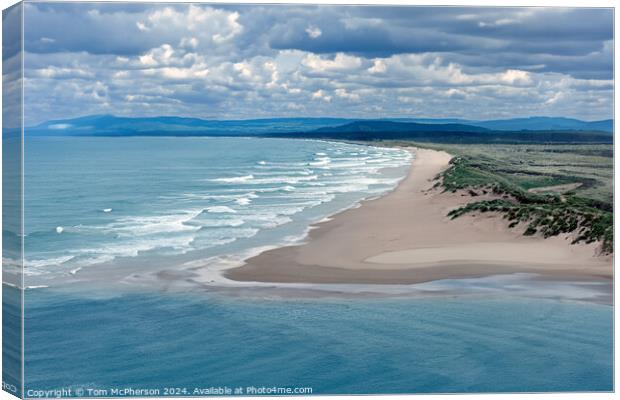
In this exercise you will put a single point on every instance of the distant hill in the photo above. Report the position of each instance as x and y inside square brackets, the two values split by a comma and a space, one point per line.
[520, 124]
[447, 133]
[110, 125]
[391, 126]
[535, 129]
[547, 124]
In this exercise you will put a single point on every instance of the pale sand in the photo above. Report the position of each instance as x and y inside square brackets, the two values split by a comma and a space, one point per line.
[405, 237]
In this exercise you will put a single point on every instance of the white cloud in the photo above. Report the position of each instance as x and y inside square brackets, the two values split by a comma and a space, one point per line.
[234, 28]
[272, 68]
[53, 72]
[162, 55]
[357, 22]
[313, 32]
[427, 69]
[216, 25]
[321, 95]
[343, 93]
[456, 93]
[190, 42]
[466, 17]
[185, 73]
[554, 98]
[341, 62]
[244, 69]
[378, 67]
[513, 76]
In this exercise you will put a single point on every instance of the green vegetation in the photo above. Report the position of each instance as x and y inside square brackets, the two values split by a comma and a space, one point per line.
[549, 189]
[536, 166]
[551, 218]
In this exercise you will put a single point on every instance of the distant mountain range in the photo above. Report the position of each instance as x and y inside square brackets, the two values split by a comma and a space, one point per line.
[395, 126]
[533, 129]
[448, 133]
[530, 123]
[110, 125]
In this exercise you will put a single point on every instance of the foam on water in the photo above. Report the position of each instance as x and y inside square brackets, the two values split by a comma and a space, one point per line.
[209, 196]
[243, 201]
[220, 209]
[236, 179]
[149, 225]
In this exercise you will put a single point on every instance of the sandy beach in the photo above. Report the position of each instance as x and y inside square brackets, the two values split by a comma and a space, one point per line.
[405, 237]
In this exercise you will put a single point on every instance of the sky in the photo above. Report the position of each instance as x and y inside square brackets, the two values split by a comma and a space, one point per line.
[261, 61]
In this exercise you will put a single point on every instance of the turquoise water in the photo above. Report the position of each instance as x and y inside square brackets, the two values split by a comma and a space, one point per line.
[90, 201]
[334, 346]
[120, 210]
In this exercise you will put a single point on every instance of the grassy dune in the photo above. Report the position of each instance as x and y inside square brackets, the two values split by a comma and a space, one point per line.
[551, 189]
[536, 166]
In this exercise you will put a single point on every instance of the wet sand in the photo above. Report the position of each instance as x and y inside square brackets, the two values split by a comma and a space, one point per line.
[405, 237]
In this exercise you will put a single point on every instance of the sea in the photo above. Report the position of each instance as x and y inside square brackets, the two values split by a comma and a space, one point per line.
[111, 222]
[142, 200]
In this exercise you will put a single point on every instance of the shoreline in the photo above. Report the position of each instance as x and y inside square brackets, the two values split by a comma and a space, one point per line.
[405, 237]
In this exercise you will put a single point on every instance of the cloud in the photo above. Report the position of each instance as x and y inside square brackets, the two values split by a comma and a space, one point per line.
[321, 95]
[343, 93]
[341, 62]
[248, 61]
[111, 29]
[378, 67]
[313, 32]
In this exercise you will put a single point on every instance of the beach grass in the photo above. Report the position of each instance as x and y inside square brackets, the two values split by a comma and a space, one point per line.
[540, 165]
[550, 189]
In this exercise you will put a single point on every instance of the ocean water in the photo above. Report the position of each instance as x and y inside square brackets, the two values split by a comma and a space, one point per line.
[119, 209]
[90, 201]
[333, 346]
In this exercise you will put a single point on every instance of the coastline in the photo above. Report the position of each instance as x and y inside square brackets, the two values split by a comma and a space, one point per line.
[405, 237]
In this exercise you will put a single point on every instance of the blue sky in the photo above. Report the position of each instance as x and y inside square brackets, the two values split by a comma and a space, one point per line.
[254, 61]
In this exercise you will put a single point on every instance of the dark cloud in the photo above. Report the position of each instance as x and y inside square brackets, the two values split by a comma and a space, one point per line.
[84, 27]
[369, 41]
[490, 35]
